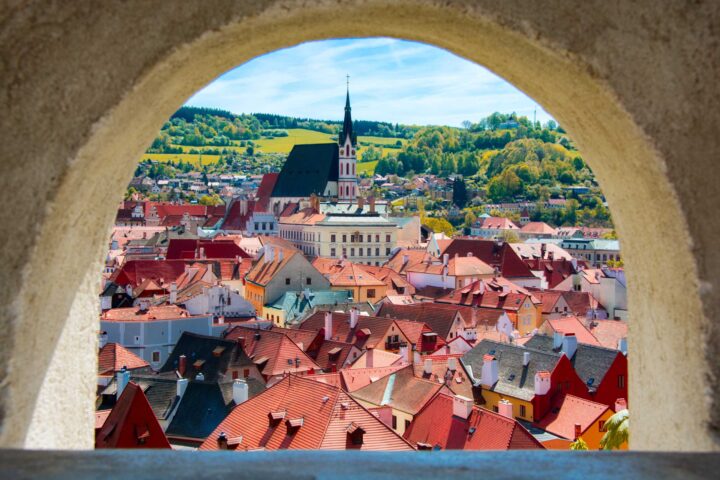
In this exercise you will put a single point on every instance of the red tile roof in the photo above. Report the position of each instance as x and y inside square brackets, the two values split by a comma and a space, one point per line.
[264, 191]
[356, 378]
[134, 272]
[346, 274]
[131, 423]
[576, 327]
[273, 352]
[435, 425]
[568, 410]
[496, 254]
[481, 295]
[538, 228]
[113, 357]
[264, 271]
[398, 264]
[438, 318]
[135, 314]
[440, 372]
[496, 223]
[457, 267]
[342, 332]
[609, 332]
[190, 249]
[328, 416]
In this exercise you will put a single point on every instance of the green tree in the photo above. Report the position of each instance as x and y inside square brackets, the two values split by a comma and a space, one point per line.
[618, 431]
[438, 225]
[509, 236]
[470, 219]
[579, 444]
[459, 192]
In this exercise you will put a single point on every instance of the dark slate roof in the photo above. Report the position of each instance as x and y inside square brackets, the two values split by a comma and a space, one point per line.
[347, 124]
[514, 379]
[589, 361]
[201, 409]
[255, 387]
[200, 348]
[307, 170]
[160, 391]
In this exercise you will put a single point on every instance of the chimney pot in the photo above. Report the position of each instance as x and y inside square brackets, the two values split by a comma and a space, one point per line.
[578, 431]
[240, 391]
[328, 326]
[427, 368]
[182, 384]
[526, 358]
[182, 365]
[462, 406]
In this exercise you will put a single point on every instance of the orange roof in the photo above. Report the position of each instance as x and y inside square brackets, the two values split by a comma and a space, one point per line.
[435, 425]
[569, 410]
[380, 358]
[273, 352]
[264, 271]
[356, 378]
[100, 417]
[135, 314]
[327, 414]
[456, 380]
[609, 332]
[353, 275]
[377, 327]
[398, 261]
[538, 227]
[574, 326]
[457, 266]
[497, 223]
[306, 216]
[113, 357]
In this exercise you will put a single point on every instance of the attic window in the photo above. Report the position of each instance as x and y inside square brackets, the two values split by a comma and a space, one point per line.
[217, 351]
[293, 425]
[423, 446]
[198, 364]
[355, 433]
[335, 351]
[511, 377]
[275, 418]
[233, 441]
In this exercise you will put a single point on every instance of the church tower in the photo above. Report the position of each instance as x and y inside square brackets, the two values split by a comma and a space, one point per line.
[347, 178]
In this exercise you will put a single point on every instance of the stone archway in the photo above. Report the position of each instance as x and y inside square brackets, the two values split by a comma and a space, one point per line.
[84, 91]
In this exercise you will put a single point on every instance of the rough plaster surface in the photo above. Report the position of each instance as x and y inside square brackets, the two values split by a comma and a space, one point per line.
[84, 88]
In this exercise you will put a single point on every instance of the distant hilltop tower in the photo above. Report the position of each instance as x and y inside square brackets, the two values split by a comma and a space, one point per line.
[347, 177]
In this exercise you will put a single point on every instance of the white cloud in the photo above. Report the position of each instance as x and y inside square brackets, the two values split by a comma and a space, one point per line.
[390, 80]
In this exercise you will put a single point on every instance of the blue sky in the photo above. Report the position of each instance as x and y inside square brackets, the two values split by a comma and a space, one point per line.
[390, 80]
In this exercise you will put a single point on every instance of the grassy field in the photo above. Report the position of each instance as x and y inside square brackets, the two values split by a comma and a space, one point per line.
[367, 167]
[278, 145]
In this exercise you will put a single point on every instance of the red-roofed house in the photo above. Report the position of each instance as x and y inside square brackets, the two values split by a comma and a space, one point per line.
[451, 272]
[131, 423]
[450, 422]
[571, 417]
[493, 227]
[300, 413]
[113, 357]
[573, 325]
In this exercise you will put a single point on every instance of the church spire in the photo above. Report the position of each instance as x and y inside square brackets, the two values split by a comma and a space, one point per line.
[347, 122]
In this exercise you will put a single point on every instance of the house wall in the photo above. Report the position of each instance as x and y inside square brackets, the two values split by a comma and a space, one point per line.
[609, 390]
[297, 269]
[492, 399]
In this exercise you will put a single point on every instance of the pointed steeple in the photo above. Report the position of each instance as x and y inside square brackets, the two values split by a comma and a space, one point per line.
[347, 122]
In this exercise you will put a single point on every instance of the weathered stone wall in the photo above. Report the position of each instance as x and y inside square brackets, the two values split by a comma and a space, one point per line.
[84, 87]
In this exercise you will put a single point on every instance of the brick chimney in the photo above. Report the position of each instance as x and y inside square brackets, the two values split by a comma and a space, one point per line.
[578, 431]
[182, 365]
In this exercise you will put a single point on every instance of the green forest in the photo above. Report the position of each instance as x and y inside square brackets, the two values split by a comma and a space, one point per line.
[501, 158]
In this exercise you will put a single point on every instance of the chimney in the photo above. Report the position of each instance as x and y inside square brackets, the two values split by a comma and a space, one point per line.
[490, 371]
[462, 406]
[557, 340]
[371, 200]
[505, 408]
[620, 404]
[542, 382]
[328, 326]
[354, 317]
[182, 365]
[406, 259]
[417, 359]
[526, 359]
[427, 368]
[622, 345]
[280, 254]
[446, 257]
[268, 253]
[123, 378]
[369, 358]
[578, 431]
[222, 441]
[103, 339]
[240, 391]
[405, 352]
[543, 249]
[182, 384]
[452, 364]
[569, 344]
[173, 293]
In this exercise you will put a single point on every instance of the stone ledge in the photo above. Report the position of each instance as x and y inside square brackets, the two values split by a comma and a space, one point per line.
[178, 465]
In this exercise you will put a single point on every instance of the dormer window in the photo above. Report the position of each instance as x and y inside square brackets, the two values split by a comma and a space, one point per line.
[293, 425]
[355, 434]
[275, 418]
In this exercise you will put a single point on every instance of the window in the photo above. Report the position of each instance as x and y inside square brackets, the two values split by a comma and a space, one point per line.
[246, 372]
[257, 226]
[287, 281]
[601, 426]
[156, 357]
[377, 252]
[371, 293]
[332, 252]
[394, 422]
[352, 252]
[360, 252]
[522, 411]
[235, 374]
[387, 251]
[308, 281]
[377, 238]
[332, 238]
[621, 381]
[495, 409]
[387, 238]
[344, 252]
[361, 238]
[407, 424]
[344, 238]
